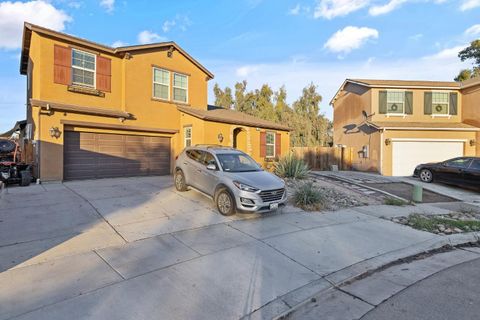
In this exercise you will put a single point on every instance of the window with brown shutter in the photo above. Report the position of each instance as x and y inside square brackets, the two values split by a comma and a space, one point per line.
[104, 74]
[278, 145]
[62, 63]
[263, 144]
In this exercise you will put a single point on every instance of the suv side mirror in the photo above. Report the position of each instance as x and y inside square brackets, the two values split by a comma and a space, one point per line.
[211, 166]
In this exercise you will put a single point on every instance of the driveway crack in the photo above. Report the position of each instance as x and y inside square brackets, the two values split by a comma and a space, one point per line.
[98, 213]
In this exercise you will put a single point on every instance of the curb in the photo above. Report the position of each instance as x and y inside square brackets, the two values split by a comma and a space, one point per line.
[284, 305]
[316, 173]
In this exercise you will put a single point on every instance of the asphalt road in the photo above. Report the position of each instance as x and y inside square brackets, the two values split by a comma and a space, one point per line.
[450, 294]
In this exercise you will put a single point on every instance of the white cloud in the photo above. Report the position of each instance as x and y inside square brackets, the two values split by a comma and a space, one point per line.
[246, 71]
[330, 9]
[180, 21]
[473, 30]
[13, 14]
[147, 36]
[448, 53]
[167, 25]
[295, 11]
[108, 5]
[119, 43]
[469, 4]
[416, 37]
[386, 8]
[350, 38]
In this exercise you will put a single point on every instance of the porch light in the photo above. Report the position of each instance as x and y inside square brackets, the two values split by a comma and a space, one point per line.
[388, 141]
[220, 137]
[472, 142]
[54, 132]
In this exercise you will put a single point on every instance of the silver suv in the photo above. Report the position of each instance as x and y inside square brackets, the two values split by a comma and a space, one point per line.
[230, 177]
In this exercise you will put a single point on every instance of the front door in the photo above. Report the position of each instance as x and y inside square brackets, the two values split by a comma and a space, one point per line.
[208, 178]
[453, 170]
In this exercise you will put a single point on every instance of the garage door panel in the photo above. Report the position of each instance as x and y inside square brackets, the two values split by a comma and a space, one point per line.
[93, 155]
[406, 155]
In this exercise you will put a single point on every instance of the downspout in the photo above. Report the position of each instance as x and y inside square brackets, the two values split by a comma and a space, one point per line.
[381, 151]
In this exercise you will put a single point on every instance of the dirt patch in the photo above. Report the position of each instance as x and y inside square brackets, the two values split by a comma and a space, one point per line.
[404, 190]
[336, 196]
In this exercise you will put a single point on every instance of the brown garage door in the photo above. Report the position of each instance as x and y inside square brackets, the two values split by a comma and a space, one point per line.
[90, 155]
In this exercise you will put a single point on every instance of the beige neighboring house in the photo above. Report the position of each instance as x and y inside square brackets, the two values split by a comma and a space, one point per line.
[394, 125]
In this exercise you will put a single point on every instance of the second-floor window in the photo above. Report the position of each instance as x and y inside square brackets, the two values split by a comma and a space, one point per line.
[161, 84]
[180, 87]
[440, 103]
[396, 102]
[83, 68]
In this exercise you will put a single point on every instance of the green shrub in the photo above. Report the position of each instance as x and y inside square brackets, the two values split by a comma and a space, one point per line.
[309, 197]
[291, 166]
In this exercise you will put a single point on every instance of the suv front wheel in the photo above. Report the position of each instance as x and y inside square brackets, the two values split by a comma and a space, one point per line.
[180, 183]
[225, 202]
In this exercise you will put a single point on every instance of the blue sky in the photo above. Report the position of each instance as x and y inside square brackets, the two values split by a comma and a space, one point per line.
[289, 43]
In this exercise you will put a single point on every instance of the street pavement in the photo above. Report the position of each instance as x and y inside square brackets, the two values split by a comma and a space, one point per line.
[135, 248]
[450, 294]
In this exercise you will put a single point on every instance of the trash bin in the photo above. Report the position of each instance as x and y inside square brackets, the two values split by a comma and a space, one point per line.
[417, 193]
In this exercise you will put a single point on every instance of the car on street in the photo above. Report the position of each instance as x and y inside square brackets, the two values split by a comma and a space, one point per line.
[461, 171]
[230, 177]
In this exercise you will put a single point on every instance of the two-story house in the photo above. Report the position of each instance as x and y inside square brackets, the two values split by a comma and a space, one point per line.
[394, 125]
[95, 111]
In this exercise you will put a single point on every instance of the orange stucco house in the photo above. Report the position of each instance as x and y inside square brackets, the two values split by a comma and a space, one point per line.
[394, 125]
[95, 111]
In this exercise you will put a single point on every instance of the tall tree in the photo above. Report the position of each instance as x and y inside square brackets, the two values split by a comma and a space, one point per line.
[223, 98]
[310, 128]
[472, 52]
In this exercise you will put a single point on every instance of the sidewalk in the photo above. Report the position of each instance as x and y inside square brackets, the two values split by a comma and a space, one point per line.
[226, 270]
[360, 298]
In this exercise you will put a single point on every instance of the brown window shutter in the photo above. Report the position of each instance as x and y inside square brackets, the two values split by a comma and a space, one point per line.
[263, 144]
[104, 74]
[62, 65]
[278, 144]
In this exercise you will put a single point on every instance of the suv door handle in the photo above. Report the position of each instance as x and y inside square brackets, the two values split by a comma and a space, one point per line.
[185, 163]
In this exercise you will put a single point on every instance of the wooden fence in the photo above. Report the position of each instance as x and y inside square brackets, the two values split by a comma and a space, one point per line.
[322, 158]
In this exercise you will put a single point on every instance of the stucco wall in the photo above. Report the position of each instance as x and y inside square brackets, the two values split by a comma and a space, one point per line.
[471, 109]
[418, 108]
[348, 129]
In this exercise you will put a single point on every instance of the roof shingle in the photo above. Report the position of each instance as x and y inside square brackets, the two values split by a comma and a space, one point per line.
[231, 116]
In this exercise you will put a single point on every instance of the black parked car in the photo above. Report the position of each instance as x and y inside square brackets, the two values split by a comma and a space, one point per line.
[463, 171]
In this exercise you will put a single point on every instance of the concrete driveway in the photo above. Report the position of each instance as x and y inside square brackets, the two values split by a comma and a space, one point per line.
[135, 248]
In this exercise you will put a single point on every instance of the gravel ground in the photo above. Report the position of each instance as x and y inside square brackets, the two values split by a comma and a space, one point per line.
[455, 222]
[337, 197]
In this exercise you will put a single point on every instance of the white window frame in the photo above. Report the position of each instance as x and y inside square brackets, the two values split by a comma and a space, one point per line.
[269, 144]
[441, 115]
[174, 87]
[185, 136]
[85, 69]
[396, 114]
[153, 83]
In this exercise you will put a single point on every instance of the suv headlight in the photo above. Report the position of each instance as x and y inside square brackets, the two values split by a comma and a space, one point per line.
[245, 187]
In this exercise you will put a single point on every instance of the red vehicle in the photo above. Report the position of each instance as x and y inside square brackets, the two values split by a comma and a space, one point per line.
[12, 169]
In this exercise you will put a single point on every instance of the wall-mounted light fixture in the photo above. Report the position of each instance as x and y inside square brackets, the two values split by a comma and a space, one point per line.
[388, 142]
[220, 137]
[472, 142]
[54, 132]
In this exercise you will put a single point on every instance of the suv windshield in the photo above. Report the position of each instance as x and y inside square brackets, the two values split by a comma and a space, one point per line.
[237, 162]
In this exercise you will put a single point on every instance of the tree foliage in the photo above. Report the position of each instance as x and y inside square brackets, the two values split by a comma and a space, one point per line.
[472, 52]
[310, 127]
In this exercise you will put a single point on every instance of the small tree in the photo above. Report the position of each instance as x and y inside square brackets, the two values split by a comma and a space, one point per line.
[472, 52]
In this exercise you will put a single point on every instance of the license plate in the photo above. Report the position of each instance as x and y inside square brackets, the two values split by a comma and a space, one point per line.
[273, 206]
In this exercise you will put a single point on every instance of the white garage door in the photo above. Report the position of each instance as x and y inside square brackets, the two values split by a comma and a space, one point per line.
[406, 155]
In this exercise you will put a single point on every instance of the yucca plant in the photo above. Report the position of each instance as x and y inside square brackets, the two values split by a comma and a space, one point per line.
[309, 197]
[291, 166]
